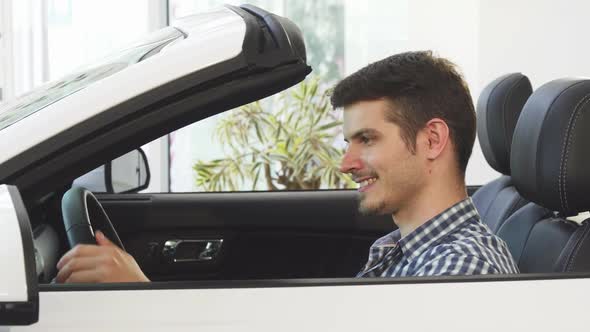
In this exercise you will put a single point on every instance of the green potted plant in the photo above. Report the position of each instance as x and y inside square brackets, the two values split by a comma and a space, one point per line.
[288, 142]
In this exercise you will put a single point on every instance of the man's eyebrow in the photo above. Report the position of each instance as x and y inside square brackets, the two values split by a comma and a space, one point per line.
[360, 133]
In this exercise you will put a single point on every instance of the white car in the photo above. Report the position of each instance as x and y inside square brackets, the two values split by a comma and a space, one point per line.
[253, 261]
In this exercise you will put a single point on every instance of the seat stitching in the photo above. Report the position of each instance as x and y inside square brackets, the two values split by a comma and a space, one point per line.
[563, 165]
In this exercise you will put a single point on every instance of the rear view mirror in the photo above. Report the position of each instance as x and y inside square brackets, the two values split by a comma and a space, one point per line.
[128, 173]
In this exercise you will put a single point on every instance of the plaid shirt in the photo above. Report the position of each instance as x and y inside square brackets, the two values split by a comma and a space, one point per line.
[454, 242]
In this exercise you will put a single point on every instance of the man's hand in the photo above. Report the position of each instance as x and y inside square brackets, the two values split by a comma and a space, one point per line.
[104, 262]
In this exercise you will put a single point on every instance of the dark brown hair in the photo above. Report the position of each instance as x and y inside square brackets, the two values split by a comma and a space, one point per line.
[419, 86]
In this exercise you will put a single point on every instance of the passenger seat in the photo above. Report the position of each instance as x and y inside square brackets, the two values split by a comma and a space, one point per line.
[550, 167]
[498, 108]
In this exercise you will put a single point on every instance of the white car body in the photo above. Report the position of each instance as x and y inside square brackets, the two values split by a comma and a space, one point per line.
[467, 306]
[228, 32]
[483, 303]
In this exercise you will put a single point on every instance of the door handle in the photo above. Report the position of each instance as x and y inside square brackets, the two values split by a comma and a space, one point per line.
[191, 251]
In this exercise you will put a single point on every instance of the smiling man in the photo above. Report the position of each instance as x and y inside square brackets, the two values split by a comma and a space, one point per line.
[410, 126]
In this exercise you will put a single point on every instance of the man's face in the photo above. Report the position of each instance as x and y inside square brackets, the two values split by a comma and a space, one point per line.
[388, 173]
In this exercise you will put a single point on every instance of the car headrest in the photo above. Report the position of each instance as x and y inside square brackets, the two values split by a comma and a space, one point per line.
[498, 108]
[550, 159]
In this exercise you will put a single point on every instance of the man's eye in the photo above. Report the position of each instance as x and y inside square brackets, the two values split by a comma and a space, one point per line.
[366, 140]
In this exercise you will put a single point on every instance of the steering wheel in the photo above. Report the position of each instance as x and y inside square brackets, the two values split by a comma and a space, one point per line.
[83, 215]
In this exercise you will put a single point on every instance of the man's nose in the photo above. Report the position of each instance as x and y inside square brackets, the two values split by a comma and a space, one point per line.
[350, 162]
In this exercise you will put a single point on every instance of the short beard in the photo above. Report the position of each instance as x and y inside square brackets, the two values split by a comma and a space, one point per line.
[372, 211]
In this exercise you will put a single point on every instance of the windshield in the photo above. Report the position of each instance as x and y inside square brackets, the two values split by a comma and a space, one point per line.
[39, 98]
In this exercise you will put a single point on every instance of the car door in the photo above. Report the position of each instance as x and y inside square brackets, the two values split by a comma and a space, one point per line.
[245, 235]
[442, 303]
[447, 304]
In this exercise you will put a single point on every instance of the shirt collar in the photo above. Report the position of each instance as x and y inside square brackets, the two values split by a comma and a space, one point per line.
[432, 231]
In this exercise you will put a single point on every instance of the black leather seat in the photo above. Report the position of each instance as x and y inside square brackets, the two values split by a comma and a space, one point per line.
[498, 108]
[550, 167]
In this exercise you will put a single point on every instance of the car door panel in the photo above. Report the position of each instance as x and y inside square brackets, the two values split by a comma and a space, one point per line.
[308, 234]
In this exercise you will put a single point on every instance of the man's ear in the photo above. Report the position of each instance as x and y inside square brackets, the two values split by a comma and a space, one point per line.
[435, 136]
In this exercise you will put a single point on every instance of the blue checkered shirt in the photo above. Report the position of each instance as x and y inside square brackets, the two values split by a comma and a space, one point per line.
[454, 242]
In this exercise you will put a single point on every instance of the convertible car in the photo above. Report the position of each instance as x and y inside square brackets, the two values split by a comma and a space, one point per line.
[71, 163]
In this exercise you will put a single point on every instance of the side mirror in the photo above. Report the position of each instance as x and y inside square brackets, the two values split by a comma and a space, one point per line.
[125, 174]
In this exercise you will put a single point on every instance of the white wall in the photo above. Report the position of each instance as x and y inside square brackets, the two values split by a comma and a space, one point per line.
[24, 47]
[380, 28]
[82, 32]
[543, 39]
[5, 46]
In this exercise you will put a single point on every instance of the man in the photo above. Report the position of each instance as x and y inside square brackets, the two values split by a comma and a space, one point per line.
[410, 126]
